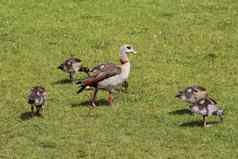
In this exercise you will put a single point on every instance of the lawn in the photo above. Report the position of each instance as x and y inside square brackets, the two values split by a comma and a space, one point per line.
[179, 43]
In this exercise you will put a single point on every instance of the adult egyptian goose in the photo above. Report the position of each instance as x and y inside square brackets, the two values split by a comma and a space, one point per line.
[108, 76]
[37, 98]
[72, 66]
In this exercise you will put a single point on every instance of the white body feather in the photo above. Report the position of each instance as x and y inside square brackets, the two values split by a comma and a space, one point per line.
[211, 108]
[114, 81]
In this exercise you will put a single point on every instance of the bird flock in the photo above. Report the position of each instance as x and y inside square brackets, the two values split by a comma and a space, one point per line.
[109, 77]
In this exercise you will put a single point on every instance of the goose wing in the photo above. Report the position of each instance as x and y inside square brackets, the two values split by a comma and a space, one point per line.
[101, 72]
[107, 70]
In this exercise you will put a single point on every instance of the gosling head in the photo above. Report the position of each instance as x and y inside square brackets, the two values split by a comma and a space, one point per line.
[70, 65]
[192, 94]
[37, 96]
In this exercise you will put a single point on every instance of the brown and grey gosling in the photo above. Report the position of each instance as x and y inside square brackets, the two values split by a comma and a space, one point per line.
[200, 102]
[37, 99]
[108, 76]
[72, 66]
[207, 107]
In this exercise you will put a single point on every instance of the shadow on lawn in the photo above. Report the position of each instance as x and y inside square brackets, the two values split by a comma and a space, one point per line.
[64, 81]
[28, 115]
[181, 112]
[198, 123]
[99, 103]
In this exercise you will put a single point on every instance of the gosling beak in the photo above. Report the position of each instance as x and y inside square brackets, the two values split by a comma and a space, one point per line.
[178, 95]
[60, 67]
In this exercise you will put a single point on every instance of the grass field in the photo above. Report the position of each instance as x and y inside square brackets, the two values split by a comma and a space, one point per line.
[179, 43]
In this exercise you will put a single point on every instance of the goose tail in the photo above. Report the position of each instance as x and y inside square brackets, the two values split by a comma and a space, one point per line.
[82, 86]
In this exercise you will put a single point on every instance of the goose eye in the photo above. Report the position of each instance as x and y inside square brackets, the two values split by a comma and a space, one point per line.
[128, 47]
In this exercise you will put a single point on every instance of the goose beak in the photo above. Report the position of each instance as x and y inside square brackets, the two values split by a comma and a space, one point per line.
[133, 51]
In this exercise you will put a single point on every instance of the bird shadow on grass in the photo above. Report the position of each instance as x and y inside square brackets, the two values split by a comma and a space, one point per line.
[28, 115]
[198, 124]
[181, 112]
[63, 81]
[99, 103]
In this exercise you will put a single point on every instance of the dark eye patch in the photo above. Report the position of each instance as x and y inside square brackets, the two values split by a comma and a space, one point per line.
[128, 47]
[195, 90]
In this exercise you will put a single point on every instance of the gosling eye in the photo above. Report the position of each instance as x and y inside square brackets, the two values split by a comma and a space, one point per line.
[195, 90]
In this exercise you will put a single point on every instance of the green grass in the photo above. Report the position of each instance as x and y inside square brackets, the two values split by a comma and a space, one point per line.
[179, 43]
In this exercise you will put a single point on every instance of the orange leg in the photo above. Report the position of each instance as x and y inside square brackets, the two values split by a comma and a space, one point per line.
[93, 100]
[110, 98]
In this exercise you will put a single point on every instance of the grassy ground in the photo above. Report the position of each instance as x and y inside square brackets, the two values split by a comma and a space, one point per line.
[179, 43]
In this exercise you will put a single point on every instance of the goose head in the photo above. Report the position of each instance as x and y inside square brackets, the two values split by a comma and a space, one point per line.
[125, 50]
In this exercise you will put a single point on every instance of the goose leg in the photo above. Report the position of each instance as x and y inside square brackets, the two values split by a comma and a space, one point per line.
[72, 76]
[110, 98]
[93, 100]
[190, 109]
[32, 110]
[38, 108]
[125, 85]
[204, 121]
[221, 118]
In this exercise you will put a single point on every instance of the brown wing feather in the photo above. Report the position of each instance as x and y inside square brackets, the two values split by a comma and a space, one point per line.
[214, 102]
[101, 72]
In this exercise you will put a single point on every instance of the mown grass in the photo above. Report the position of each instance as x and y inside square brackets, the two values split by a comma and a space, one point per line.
[179, 43]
